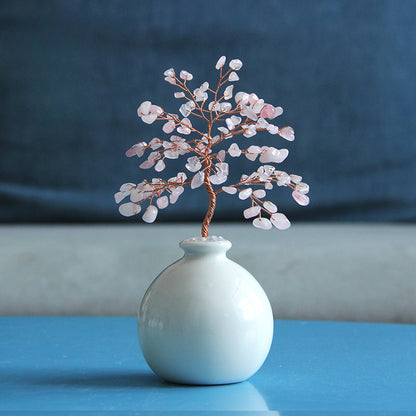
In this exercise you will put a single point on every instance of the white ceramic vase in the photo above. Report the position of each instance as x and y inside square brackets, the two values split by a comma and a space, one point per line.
[205, 319]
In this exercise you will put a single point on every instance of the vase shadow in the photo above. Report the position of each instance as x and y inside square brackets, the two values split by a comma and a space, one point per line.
[239, 396]
[98, 379]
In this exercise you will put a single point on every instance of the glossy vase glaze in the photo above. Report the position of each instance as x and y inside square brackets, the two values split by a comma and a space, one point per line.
[205, 319]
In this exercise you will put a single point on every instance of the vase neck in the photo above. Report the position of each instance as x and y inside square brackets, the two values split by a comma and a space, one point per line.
[200, 246]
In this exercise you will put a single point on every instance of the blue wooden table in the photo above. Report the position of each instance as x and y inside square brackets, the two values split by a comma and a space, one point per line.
[95, 364]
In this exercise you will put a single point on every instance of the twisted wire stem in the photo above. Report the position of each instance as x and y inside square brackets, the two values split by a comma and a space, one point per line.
[212, 201]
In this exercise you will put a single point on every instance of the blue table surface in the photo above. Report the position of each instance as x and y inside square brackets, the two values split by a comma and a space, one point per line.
[74, 364]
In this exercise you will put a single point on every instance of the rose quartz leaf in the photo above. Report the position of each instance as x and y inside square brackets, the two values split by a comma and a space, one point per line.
[197, 180]
[278, 111]
[160, 165]
[229, 190]
[127, 187]
[295, 178]
[262, 223]
[218, 179]
[245, 193]
[119, 196]
[128, 209]
[233, 77]
[144, 108]
[150, 214]
[234, 150]
[251, 212]
[221, 155]
[147, 164]
[169, 72]
[302, 187]
[185, 75]
[259, 193]
[280, 221]
[236, 64]
[301, 199]
[220, 63]
[149, 118]
[267, 111]
[169, 126]
[287, 133]
[162, 202]
[269, 206]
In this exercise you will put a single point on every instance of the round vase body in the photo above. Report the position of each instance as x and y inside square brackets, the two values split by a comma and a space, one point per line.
[205, 319]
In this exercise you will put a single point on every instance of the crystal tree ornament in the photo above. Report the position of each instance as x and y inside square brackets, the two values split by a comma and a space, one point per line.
[205, 157]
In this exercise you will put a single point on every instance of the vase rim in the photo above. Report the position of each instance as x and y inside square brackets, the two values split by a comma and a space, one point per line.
[214, 241]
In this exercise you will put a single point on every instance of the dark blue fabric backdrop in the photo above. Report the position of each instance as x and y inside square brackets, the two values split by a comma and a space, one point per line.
[73, 72]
